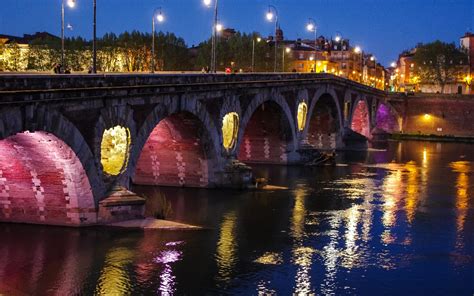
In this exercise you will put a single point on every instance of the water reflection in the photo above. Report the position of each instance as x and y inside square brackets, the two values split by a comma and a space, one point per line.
[397, 217]
[301, 255]
[167, 283]
[227, 247]
[462, 168]
[114, 278]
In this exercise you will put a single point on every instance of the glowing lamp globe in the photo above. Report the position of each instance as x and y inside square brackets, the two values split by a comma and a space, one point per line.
[160, 18]
[269, 16]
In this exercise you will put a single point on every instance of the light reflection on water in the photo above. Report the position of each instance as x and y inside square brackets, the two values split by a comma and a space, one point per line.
[400, 217]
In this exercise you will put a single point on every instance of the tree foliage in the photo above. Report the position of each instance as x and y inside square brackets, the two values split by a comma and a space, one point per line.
[236, 52]
[439, 63]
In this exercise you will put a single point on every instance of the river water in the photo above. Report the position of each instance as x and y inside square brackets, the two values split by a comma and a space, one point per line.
[398, 221]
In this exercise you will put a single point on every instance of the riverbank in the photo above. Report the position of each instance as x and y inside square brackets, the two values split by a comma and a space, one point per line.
[432, 138]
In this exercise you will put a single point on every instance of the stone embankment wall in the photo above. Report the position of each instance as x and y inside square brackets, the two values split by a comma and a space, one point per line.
[443, 115]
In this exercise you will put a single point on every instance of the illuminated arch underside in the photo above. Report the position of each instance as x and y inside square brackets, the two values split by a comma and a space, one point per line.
[173, 154]
[43, 181]
[385, 119]
[360, 119]
[266, 136]
[323, 126]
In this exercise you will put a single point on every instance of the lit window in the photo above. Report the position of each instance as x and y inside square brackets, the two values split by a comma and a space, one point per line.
[230, 130]
[114, 149]
[301, 116]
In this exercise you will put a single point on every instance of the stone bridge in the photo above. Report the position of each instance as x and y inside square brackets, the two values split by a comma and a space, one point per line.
[67, 140]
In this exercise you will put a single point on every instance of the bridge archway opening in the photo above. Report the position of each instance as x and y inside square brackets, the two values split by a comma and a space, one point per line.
[178, 152]
[360, 119]
[266, 136]
[43, 181]
[114, 150]
[230, 130]
[324, 125]
[386, 119]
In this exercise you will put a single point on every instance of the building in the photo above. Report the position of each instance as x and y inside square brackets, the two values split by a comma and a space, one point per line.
[404, 77]
[467, 45]
[337, 57]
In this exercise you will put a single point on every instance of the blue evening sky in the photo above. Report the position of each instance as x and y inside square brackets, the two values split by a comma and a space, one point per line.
[383, 27]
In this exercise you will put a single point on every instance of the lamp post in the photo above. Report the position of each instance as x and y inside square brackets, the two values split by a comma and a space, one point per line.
[340, 40]
[272, 14]
[258, 39]
[285, 50]
[358, 50]
[71, 4]
[94, 39]
[311, 27]
[373, 59]
[214, 35]
[160, 18]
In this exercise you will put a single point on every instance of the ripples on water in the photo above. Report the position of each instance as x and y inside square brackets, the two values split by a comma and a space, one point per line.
[391, 222]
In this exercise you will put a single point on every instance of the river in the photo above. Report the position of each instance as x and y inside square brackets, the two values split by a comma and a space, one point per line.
[397, 221]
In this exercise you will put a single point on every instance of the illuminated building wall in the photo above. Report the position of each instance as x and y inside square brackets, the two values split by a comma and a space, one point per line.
[173, 154]
[266, 136]
[439, 115]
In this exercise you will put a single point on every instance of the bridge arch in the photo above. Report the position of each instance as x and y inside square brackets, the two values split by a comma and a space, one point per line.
[324, 124]
[48, 173]
[115, 136]
[387, 118]
[230, 109]
[177, 145]
[267, 132]
[360, 117]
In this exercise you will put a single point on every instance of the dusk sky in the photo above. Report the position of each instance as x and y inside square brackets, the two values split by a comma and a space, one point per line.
[383, 27]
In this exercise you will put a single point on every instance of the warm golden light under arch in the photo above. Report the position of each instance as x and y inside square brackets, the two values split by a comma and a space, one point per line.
[114, 149]
[230, 129]
[301, 116]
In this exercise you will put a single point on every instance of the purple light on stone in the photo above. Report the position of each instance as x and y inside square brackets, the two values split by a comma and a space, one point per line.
[385, 120]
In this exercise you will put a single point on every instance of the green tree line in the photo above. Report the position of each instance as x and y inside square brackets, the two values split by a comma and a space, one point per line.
[131, 51]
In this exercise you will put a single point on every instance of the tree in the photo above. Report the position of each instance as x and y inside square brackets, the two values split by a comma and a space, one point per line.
[438, 63]
[2, 54]
[43, 54]
[236, 52]
[15, 59]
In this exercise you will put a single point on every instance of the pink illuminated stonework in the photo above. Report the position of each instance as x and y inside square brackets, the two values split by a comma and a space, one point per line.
[173, 154]
[360, 119]
[265, 139]
[43, 181]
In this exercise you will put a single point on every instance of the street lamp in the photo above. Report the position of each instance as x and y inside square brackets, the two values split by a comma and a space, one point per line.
[158, 14]
[339, 40]
[358, 50]
[71, 4]
[311, 27]
[94, 38]
[258, 39]
[214, 34]
[285, 50]
[272, 14]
